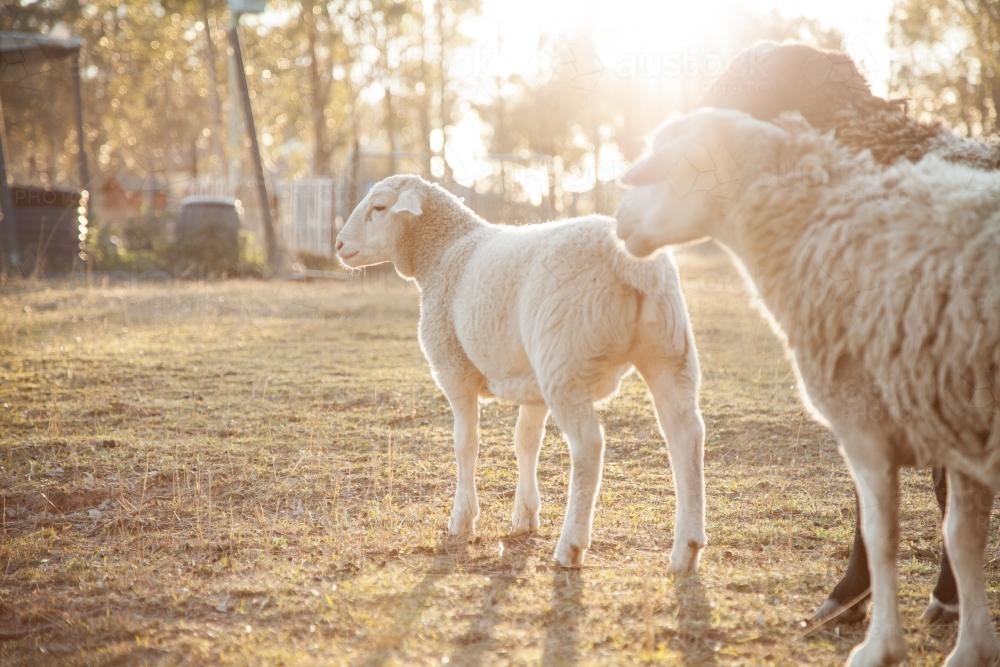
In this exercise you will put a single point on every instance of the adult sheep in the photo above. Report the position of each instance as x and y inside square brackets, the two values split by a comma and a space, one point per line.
[551, 317]
[831, 93]
[882, 282]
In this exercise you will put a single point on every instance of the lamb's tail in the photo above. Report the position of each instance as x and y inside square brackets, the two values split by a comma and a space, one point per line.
[663, 315]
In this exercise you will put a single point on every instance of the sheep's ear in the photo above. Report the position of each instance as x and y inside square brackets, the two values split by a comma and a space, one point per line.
[409, 201]
[653, 168]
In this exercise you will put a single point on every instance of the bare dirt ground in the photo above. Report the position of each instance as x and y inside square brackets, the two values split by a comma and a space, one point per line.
[260, 473]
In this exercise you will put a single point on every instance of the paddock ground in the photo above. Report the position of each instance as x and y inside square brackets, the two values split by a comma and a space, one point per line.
[260, 473]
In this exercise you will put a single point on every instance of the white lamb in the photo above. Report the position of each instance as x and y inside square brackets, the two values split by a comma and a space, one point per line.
[884, 282]
[550, 316]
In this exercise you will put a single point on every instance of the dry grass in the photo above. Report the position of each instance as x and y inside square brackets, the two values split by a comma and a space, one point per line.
[259, 473]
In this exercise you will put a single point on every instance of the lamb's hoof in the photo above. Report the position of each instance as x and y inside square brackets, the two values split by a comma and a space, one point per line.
[569, 555]
[524, 522]
[523, 529]
[684, 557]
[462, 528]
[872, 653]
[971, 654]
[940, 612]
[832, 610]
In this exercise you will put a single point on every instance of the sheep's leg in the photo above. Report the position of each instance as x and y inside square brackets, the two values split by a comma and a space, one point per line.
[676, 401]
[586, 445]
[465, 510]
[528, 434]
[853, 588]
[943, 607]
[877, 482]
[848, 601]
[966, 523]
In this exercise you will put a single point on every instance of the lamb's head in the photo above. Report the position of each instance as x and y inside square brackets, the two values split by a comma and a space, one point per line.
[372, 233]
[696, 166]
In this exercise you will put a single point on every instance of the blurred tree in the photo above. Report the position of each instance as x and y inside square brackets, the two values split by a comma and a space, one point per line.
[335, 78]
[947, 60]
[142, 79]
[300, 85]
[576, 108]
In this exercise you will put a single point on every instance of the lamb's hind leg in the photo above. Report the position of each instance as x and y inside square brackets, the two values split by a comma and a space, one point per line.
[579, 423]
[674, 388]
[965, 526]
[528, 434]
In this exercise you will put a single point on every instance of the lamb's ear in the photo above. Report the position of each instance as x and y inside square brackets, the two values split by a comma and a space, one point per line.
[409, 201]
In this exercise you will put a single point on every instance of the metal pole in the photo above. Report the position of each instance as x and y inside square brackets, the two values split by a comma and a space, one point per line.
[270, 240]
[6, 203]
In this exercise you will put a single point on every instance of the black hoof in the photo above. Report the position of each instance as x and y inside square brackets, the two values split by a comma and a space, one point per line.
[833, 611]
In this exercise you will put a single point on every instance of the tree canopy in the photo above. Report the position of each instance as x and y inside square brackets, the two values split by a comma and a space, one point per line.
[400, 80]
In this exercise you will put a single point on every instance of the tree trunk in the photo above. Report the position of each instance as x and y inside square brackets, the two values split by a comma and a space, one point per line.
[992, 125]
[554, 206]
[390, 128]
[319, 89]
[595, 138]
[444, 112]
[216, 145]
[425, 110]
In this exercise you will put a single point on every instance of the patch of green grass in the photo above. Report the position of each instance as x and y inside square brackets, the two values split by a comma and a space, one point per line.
[260, 473]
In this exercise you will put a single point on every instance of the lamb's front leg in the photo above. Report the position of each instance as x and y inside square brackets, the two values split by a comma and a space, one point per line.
[586, 446]
[528, 434]
[967, 519]
[465, 511]
[877, 482]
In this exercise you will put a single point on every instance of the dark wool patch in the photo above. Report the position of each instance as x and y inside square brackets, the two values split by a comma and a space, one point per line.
[827, 88]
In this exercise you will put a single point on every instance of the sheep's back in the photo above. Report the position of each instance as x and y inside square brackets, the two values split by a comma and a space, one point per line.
[905, 289]
[546, 301]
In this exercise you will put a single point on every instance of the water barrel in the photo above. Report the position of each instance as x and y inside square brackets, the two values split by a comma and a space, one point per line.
[207, 235]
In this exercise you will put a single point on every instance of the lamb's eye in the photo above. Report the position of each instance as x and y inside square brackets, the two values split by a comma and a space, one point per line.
[378, 208]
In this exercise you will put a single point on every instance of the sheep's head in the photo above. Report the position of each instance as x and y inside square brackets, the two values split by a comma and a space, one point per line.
[769, 78]
[681, 188]
[373, 231]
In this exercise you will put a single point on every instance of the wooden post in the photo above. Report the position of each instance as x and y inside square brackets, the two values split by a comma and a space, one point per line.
[6, 203]
[270, 239]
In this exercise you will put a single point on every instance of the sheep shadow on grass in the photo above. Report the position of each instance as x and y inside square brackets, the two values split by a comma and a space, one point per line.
[562, 637]
[452, 557]
[696, 638]
[474, 646]
[447, 554]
